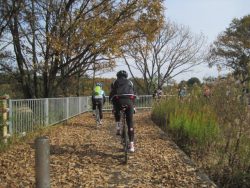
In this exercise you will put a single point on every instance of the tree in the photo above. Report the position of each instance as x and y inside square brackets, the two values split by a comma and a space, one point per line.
[6, 14]
[53, 41]
[175, 50]
[193, 81]
[232, 48]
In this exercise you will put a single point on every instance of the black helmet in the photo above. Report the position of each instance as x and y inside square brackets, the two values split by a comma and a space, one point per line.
[99, 84]
[122, 73]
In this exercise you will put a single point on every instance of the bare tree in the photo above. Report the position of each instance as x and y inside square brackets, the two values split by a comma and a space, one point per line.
[53, 41]
[174, 51]
[6, 13]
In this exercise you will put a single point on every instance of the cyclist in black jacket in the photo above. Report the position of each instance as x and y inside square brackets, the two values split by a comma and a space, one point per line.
[123, 93]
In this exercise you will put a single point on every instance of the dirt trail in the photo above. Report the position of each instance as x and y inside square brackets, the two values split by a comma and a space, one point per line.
[83, 156]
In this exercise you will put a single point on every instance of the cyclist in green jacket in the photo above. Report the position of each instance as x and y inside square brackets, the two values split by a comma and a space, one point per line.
[98, 99]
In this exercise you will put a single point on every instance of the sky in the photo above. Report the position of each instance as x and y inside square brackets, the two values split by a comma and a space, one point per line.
[211, 17]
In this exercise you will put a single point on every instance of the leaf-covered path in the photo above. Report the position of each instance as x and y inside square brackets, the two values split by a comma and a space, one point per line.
[84, 156]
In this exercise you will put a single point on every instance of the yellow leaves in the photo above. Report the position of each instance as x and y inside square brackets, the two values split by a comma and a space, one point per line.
[106, 28]
[55, 42]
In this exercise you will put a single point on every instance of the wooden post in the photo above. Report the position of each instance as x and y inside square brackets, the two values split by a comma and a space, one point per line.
[5, 116]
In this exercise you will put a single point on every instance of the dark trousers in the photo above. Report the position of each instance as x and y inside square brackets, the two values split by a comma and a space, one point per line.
[129, 114]
[97, 103]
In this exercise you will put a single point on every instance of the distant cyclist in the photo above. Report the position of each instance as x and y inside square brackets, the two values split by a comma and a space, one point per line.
[123, 93]
[155, 94]
[98, 99]
[159, 92]
[206, 92]
[182, 92]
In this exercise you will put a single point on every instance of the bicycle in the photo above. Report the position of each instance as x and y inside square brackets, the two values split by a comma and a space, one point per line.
[124, 133]
[97, 115]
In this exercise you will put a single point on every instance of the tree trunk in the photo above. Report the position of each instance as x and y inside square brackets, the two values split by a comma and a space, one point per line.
[35, 85]
[24, 74]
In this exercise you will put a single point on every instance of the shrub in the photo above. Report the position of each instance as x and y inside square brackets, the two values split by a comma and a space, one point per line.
[190, 122]
[218, 124]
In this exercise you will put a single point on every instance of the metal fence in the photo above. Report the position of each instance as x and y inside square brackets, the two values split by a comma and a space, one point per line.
[27, 115]
[141, 102]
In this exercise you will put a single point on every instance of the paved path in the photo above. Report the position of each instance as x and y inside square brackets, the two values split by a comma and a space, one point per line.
[84, 156]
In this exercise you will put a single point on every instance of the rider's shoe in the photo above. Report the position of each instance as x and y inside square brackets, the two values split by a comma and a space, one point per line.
[131, 147]
[100, 122]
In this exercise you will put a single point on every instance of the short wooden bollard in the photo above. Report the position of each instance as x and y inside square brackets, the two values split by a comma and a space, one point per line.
[42, 152]
[4, 112]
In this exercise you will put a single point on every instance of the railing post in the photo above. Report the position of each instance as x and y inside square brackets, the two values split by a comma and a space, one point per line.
[42, 152]
[67, 108]
[86, 104]
[46, 111]
[10, 118]
[79, 102]
[88, 99]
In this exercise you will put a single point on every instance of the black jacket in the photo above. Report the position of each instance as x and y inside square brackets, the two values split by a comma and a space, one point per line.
[121, 87]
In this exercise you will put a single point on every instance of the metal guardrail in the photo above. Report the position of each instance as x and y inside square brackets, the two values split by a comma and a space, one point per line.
[27, 115]
[141, 102]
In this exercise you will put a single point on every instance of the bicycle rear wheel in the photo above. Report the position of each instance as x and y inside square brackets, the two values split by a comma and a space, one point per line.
[97, 116]
[125, 139]
[126, 144]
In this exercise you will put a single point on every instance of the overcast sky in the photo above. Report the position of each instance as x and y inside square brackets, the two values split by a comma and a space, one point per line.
[207, 16]
[210, 17]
